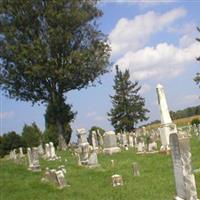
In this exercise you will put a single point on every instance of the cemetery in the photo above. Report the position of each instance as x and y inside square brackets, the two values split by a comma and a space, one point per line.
[166, 166]
[111, 89]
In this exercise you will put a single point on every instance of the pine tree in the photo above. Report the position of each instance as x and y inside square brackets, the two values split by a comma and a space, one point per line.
[197, 78]
[128, 106]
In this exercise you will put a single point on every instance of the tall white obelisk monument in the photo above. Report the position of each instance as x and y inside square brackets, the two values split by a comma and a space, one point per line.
[166, 123]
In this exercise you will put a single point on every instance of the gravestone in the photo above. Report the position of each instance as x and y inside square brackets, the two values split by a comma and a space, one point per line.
[117, 180]
[21, 154]
[184, 178]
[53, 155]
[141, 147]
[47, 151]
[35, 159]
[93, 160]
[56, 177]
[130, 139]
[83, 146]
[135, 168]
[30, 158]
[110, 143]
[94, 143]
[40, 149]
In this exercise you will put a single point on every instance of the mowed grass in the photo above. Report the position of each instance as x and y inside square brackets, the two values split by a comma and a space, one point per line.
[155, 183]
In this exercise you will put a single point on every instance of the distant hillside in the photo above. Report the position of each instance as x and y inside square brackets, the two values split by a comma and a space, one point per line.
[180, 117]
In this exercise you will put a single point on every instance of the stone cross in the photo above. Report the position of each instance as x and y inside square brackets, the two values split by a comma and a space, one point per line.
[184, 178]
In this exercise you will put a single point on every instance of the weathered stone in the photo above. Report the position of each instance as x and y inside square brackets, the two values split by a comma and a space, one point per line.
[110, 143]
[117, 180]
[184, 178]
[135, 168]
[93, 160]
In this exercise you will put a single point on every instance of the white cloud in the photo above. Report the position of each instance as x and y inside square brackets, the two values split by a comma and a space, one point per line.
[6, 115]
[164, 60]
[131, 35]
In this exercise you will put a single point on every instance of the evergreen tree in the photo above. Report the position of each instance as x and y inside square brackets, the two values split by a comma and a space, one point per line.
[128, 106]
[197, 78]
[48, 48]
[31, 135]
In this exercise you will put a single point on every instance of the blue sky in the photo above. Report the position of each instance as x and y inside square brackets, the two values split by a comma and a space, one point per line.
[155, 40]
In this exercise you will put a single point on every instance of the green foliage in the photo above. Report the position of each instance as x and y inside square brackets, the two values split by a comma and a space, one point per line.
[197, 78]
[187, 112]
[49, 48]
[31, 135]
[59, 117]
[10, 141]
[95, 128]
[128, 106]
[51, 135]
[195, 121]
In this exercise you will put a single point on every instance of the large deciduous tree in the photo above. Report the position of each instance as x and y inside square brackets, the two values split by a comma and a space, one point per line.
[197, 78]
[128, 106]
[48, 48]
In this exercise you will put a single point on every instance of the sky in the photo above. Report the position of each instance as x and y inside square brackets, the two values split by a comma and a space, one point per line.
[155, 40]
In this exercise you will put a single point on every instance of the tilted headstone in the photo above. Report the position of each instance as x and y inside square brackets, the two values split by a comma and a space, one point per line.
[110, 143]
[152, 146]
[184, 178]
[56, 177]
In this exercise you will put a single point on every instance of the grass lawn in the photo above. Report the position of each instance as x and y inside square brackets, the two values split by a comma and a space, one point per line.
[155, 183]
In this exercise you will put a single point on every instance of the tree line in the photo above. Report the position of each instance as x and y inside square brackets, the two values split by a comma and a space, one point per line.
[187, 112]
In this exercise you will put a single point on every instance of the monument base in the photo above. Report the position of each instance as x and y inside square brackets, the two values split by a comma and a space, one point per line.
[112, 150]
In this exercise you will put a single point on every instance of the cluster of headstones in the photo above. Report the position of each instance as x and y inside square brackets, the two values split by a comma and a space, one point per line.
[50, 153]
[52, 175]
[17, 157]
[87, 155]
